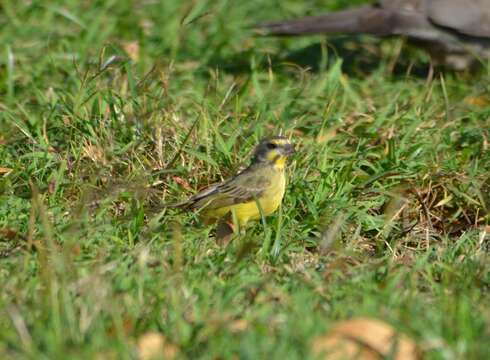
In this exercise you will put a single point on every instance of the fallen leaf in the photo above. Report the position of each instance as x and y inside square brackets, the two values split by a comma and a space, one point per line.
[150, 345]
[132, 49]
[94, 152]
[366, 339]
[336, 347]
[8, 234]
[5, 171]
[127, 325]
[182, 182]
[75, 249]
[480, 101]
[238, 325]
[325, 136]
[153, 345]
[297, 132]
[51, 186]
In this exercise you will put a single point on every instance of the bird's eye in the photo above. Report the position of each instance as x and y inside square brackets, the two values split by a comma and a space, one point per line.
[271, 146]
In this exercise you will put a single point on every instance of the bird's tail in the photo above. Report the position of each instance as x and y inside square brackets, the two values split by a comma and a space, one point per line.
[365, 19]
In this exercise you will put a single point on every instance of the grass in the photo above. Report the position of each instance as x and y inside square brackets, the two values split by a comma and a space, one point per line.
[109, 109]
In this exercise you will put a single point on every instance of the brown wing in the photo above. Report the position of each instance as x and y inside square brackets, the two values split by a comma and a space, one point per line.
[244, 187]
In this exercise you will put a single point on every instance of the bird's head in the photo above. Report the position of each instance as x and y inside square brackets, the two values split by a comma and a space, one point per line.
[273, 150]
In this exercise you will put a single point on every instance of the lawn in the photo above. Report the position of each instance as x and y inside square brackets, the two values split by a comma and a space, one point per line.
[109, 109]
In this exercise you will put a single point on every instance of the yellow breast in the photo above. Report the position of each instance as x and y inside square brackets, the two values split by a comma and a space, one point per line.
[269, 202]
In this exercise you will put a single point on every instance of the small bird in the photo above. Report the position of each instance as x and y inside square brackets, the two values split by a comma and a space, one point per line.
[256, 190]
[456, 33]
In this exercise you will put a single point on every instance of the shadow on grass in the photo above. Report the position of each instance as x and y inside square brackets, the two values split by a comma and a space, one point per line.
[360, 58]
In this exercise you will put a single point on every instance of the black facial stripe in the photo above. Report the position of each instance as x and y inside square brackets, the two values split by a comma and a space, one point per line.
[276, 158]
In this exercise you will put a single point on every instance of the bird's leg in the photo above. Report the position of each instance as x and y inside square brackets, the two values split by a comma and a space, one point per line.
[225, 229]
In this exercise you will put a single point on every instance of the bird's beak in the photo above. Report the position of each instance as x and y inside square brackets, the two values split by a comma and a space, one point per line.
[289, 149]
